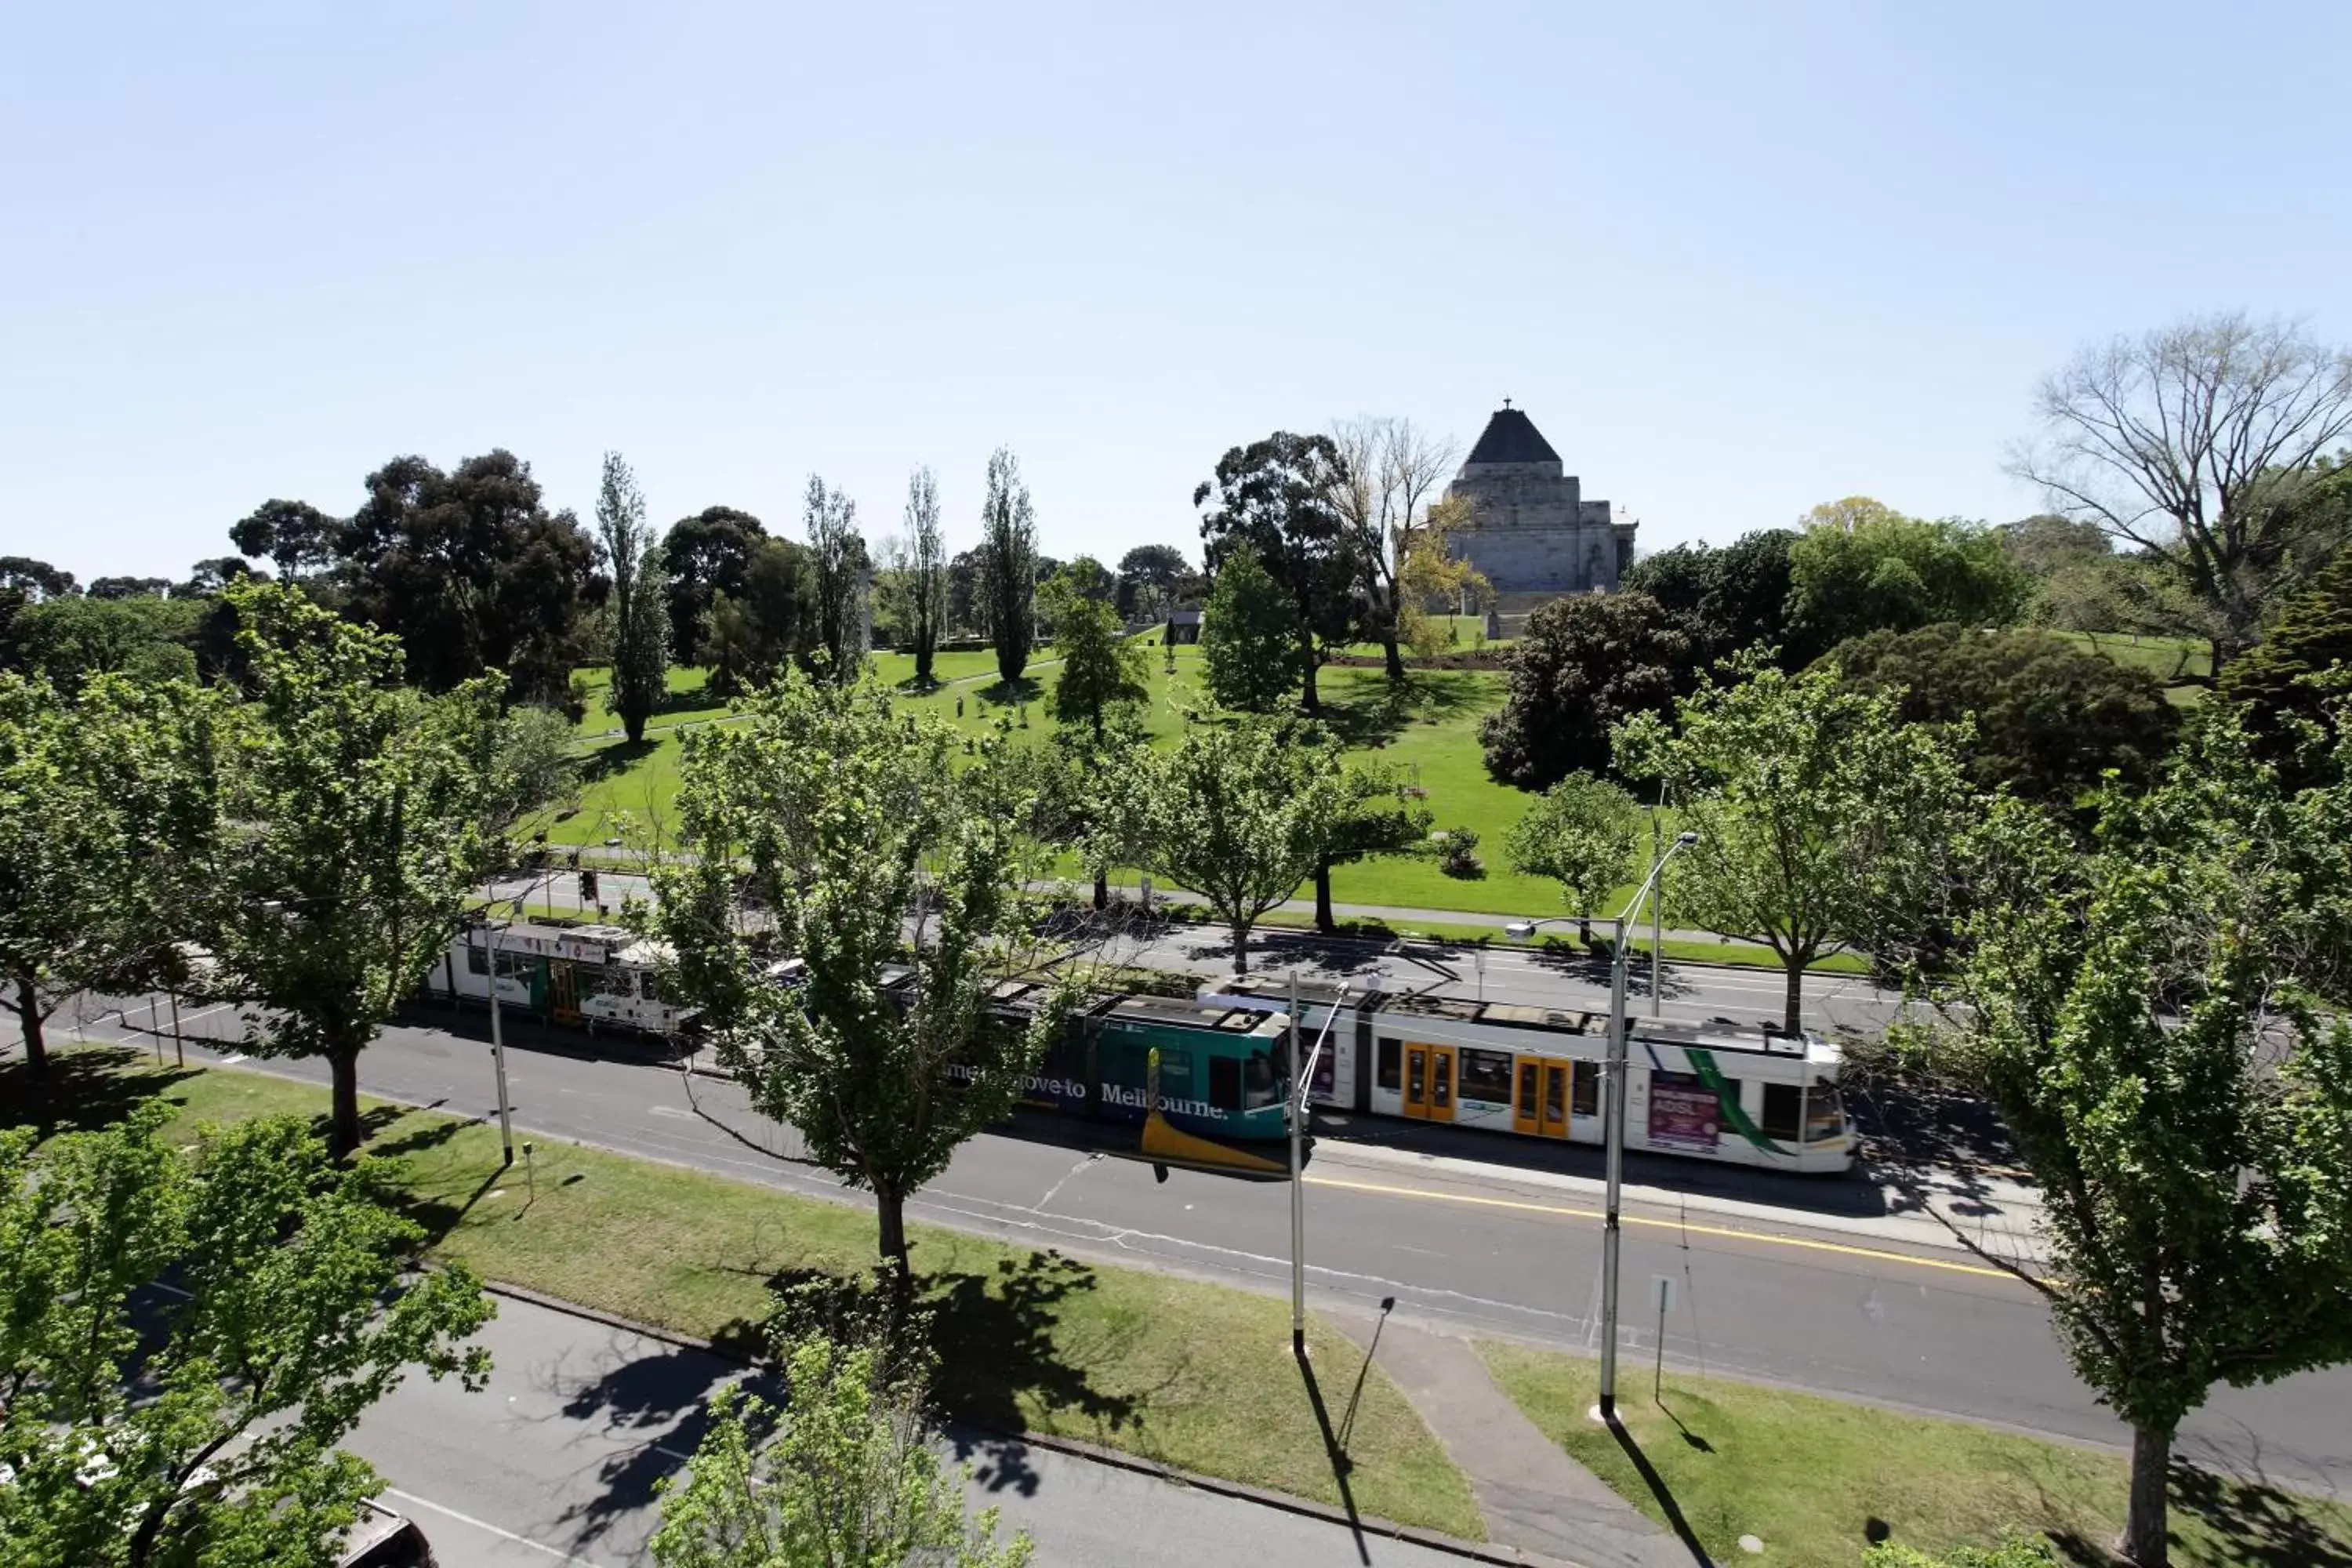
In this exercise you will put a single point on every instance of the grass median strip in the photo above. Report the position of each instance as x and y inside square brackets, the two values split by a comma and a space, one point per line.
[1815, 1479]
[1196, 1377]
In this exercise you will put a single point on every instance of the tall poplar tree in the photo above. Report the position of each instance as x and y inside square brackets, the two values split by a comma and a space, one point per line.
[843, 573]
[927, 571]
[637, 617]
[1008, 563]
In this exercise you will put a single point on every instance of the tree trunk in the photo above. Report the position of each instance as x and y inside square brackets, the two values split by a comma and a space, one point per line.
[1388, 652]
[1241, 947]
[1584, 930]
[1102, 887]
[890, 1209]
[29, 1017]
[1792, 1006]
[1324, 922]
[2145, 1541]
[343, 1116]
[633, 726]
[1309, 699]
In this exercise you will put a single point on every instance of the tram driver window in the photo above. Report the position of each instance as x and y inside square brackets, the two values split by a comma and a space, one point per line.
[1584, 1093]
[1259, 1085]
[478, 961]
[1783, 1105]
[1392, 1066]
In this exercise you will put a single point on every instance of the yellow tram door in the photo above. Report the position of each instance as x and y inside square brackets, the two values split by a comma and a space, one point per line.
[1440, 1084]
[1557, 1079]
[1416, 1081]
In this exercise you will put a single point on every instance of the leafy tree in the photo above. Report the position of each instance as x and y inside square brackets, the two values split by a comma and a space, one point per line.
[1734, 597]
[636, 635]
[37, 580]
[105, 814]
[1860, 567]
[780, 594]
[2197, 445]
[1583, 665]
[471, 572]
[186, 1341]
[1275, 497]
[295, 537]
[1580, 833]
[1241, 815]
[2050, 717]
[1249, 646]
[2284, 683]
[1377, 815]
[734, 649]
[704, 555]
[1150, 577]
[875, 854]
[359, 802]
[129, 587]
[1431, 572]
[1102, 669]
[2157, 1022]
[209, 576]
[1822, 819]
[1387, 471]
[839, 574]
[1080, 794]
[967, 593]
[847, 1474]
[927, 573]
[71, 638]
[1008, 563]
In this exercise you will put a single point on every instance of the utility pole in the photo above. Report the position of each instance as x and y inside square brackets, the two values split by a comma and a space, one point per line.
[498, 1051]
[1296, 1113]
[1657, 913]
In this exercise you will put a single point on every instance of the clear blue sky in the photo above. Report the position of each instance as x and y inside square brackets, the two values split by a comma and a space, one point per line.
[1733, 259]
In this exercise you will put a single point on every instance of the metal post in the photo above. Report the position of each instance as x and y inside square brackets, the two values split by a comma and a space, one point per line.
[1296, 1113]
[499, 1055]
[1657, 910]
[1613, 1135]
[179, 1040]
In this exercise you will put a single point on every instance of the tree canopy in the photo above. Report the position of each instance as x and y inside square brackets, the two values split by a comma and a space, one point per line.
[294, 536]
[2287, 682]
[1249, 641]
[703, 556]
[1733, 597]
[1275, 496]
[1859, 566]
[636, 621]
[1580, 833]
[1583, 665]
[1102, 669]
[1008, 565]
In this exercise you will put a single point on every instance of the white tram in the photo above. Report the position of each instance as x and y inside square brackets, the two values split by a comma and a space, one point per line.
[1715, 1091]
[592, 975]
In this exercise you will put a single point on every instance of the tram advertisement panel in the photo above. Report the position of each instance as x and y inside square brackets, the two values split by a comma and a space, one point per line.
[1682, 1114]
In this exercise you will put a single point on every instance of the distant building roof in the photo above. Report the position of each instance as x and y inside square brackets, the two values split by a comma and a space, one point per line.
[1511, 436]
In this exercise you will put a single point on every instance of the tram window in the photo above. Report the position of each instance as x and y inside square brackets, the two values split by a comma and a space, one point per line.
[1584, 1095]
[611, 982]
[649, 986]
[1225, 1083]
[518, 966]
[1527, 1072]
[1392, 1075]
[1783, 1104]
[1485, 1075]
[1824, 1112]
[1175, 1074]
[478, 962]
[1259, 1086]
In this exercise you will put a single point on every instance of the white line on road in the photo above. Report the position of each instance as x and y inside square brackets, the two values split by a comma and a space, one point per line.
[560, 1555]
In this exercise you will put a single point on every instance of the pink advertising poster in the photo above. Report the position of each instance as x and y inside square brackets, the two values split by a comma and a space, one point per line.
[1682, 1113]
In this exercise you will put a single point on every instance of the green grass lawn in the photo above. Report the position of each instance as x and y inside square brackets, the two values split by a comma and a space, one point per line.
[1808, 1476]
[2167, 659]
[1192, 1375]
[1428, 729]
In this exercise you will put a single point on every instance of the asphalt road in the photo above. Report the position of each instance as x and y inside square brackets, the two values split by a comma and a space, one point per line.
[1831, 1285]
[555, 1462]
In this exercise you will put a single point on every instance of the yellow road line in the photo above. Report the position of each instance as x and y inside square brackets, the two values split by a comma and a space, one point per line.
[1806, 1243]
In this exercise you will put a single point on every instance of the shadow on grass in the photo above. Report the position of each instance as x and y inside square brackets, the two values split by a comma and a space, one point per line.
[2254, 1523]
[617, 758]
[86, 1088]
[1659, 1491]
[1377, 718]
[1011, 694]
[1337, 1455]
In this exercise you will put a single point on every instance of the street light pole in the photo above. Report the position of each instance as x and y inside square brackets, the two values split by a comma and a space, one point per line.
[1613, 1132]
[1657, 914]
[1298, 1099]
[498, 1051]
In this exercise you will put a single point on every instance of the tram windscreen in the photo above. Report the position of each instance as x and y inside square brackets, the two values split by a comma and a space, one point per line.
[1824, 1112]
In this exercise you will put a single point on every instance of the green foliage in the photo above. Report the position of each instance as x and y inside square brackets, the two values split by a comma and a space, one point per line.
[1859, 567]
[296, 537]
[360, 807]
[703, 556]
[2049, 717]
[1241, 813]
[2155, 1020]
[857, 833]
[1823, 820]
[1249, 642]
[1151, 577]
[838, 571]
[107, 817]
[847, 1474]
[185, 1343]
[471, 572]
[2012, 1554]
[1734, 596]
[924, 575]
[636, 622]
[67, 640]
[1275, 497]
[2285, 683]
[1102, 669]
[1580, 833]
[1380, 813]
[1008, 563]
[1458, 855]
[1585, 664]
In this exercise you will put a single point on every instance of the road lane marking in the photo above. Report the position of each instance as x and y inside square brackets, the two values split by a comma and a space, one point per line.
[556, 1552]
[1806, 1243]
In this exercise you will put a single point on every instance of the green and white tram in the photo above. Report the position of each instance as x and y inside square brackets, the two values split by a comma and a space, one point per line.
[1711, 1091]
[585, 976]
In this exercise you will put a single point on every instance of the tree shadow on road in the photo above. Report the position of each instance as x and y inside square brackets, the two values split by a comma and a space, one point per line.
[87, 1088]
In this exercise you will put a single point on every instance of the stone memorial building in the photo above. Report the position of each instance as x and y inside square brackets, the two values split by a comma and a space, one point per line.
[1531, 531]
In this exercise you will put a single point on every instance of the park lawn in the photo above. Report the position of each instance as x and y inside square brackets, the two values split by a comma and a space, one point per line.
[2167, 659]
[1192, 1375]
[1741, 954]
[1808, 1476]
